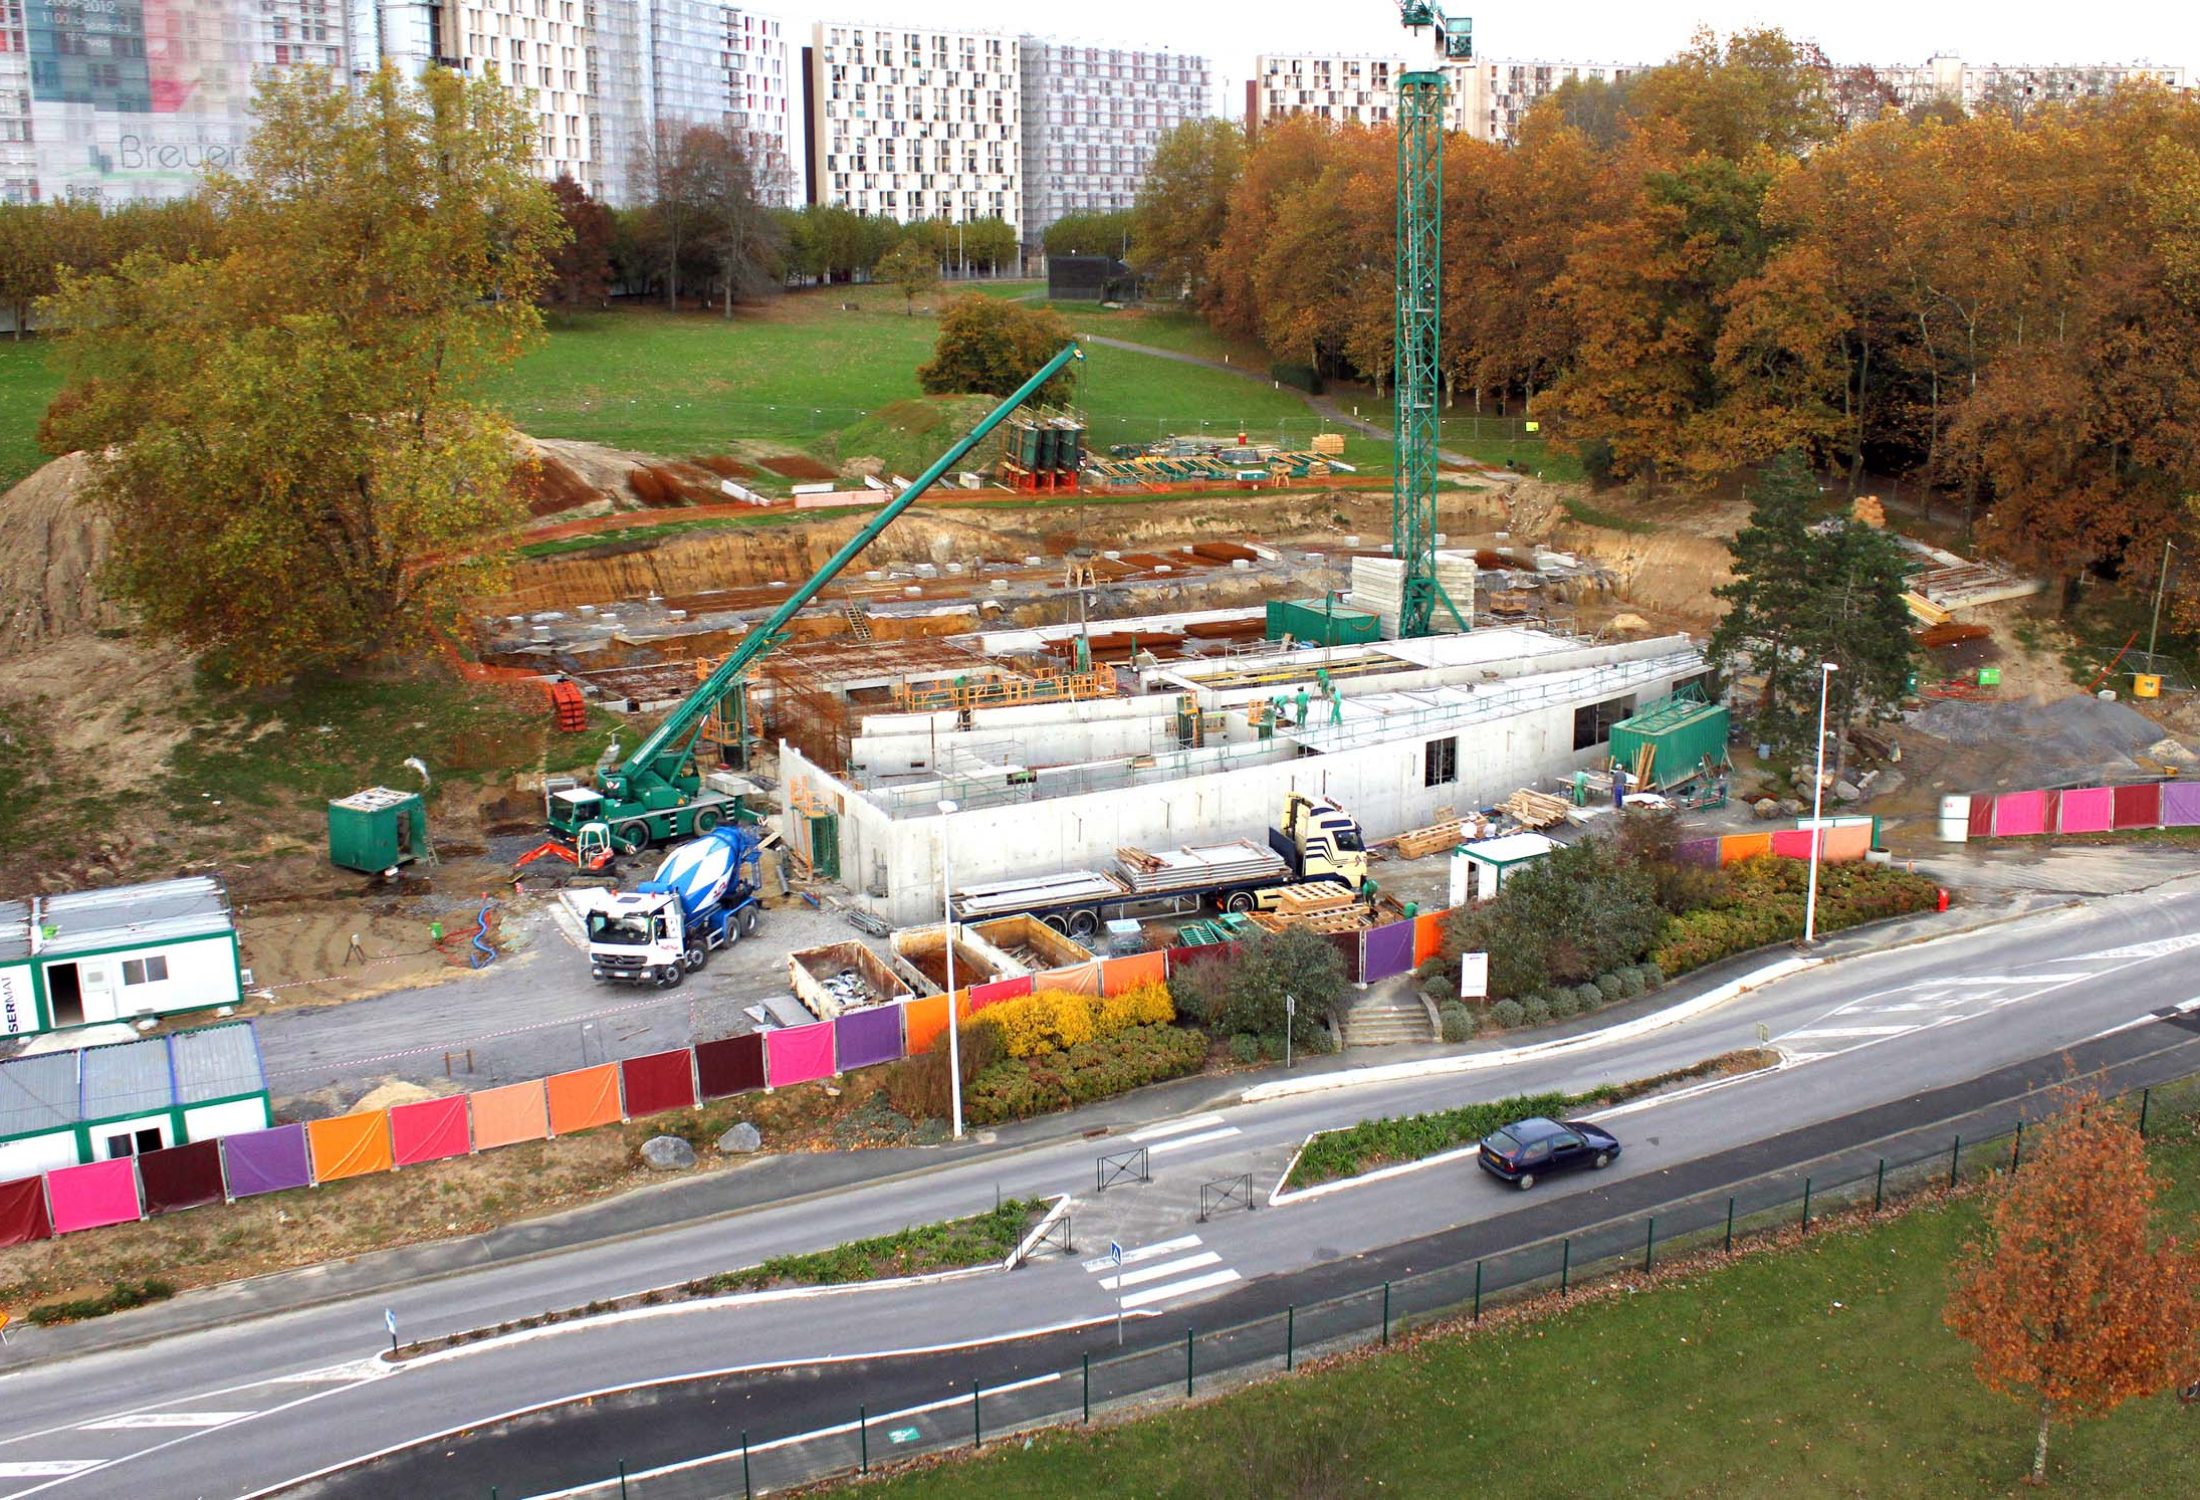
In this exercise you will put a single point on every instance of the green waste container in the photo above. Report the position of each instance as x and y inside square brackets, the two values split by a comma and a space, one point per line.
[377, 829]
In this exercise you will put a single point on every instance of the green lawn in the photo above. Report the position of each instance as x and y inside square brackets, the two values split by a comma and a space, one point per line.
[26, 385]
[1821, 1370]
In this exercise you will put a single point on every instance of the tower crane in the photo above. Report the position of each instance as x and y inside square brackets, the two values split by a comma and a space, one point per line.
[1420, 281]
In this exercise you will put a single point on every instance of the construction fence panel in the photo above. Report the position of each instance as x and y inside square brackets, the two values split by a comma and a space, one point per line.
[1736, 847]
[430, 1130]
[2138, 806]
[94, 1195]
[1981, 825]
[1704, 852]
[266, 1161]
[181, 1177]
[862, 1038]
[1845, 843]
[922, 1022]
[658, 1082]
[583, 1098]
[2180, 804]
[509, 1115]
[1121, 975]
[2050, 811]
[350, 1145]
[2089, 810]
[23, 1216]
[1428, 935]
[1792, 843]
[2020, 814]
[1386, 952]
[731, 1065]
[1077, 979]
[982, 995]
[798, 1054]
[1347, 945]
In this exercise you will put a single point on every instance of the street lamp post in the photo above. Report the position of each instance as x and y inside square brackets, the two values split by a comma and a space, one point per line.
[1826, 669]
[947, 915]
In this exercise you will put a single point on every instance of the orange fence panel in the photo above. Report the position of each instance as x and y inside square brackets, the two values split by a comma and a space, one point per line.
[583, 1098]
[1077, 979]
[1736, 847]
[506, 1116]
[1849, 841]
[350, 1145]
[1428, 935]
[1120, 974]
[922, 1020]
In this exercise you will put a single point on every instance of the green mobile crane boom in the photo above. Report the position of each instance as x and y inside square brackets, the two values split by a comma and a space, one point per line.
[651, 795]
[1417, 380]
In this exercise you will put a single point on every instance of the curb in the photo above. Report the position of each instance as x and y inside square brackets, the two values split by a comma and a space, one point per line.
[1477, 1062]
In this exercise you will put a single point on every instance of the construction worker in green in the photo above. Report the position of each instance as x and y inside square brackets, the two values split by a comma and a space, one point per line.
[1300, 720]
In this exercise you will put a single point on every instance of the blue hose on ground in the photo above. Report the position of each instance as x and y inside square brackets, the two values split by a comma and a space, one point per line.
[483, 955]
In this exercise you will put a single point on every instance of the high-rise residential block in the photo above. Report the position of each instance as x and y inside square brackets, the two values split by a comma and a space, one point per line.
[916, 124]
[1092, 116]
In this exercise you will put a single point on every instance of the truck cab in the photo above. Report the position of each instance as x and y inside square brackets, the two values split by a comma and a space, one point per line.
[1321, 839]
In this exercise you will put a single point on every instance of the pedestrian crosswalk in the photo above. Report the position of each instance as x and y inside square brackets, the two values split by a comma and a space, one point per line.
[1181, 1135]
[1917, 1007]
[1160, 1272]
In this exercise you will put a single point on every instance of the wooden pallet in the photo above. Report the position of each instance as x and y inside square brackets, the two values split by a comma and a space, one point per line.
[1312, 899]
[1418, 843]
[1535, 809]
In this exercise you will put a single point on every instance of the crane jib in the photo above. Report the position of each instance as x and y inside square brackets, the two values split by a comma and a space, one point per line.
[680, 725]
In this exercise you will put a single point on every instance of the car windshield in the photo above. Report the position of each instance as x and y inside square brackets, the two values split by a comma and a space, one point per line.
[617, 931]
[1504, 1144]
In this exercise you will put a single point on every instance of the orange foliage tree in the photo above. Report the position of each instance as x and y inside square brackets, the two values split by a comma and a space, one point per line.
[2070, 1300]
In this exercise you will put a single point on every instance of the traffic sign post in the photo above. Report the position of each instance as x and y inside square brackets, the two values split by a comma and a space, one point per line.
[389, 1316]
[1115, 1257]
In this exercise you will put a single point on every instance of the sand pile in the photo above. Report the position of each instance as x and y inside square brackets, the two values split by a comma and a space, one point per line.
[51, 549]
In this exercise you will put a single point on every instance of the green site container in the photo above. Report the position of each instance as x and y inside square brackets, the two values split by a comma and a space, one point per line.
[1307, 620]
[1684, 728]
[1989, 677]
[377, 830]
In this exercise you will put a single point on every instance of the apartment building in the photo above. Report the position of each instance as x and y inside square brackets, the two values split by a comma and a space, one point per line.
[916, 124]
[1972, 85]
[124, 101]
[1092, 116]
[1484, 99]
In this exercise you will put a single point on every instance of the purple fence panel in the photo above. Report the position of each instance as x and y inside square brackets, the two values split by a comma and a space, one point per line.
[867, 1036]
[266, 1161]
[1386, 951]
[1703, 852]
[2180, 804]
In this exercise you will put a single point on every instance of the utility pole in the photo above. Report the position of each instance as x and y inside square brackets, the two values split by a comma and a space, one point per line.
[2161, 578]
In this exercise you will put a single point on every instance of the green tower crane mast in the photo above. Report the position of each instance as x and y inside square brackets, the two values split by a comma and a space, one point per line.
[1417, 381]
[651, 795]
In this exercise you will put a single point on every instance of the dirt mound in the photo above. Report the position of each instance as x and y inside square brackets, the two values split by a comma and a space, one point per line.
[799, 467]
[51, 549]
[2028, 744]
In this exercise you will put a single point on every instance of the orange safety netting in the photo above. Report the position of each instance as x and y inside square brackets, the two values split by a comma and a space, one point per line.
[583, 1098]
[350, 1145]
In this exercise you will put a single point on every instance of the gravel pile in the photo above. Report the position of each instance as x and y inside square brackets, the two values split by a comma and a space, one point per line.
[2046, 743]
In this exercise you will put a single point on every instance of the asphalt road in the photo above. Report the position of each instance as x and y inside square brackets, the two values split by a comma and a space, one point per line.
[1876, 1043]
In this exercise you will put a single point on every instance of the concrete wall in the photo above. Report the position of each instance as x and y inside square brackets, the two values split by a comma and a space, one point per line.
[1381, 785]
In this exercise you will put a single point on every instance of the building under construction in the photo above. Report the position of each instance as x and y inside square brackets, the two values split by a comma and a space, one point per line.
[1167, 749]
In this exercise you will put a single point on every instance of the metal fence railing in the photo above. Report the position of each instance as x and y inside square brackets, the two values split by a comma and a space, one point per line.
[1178, 1359]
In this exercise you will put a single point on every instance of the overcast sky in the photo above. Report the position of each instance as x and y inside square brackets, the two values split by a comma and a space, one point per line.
[1232, 34]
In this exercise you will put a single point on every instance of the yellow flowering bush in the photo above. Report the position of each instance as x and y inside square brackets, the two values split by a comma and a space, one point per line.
[1056, 1020]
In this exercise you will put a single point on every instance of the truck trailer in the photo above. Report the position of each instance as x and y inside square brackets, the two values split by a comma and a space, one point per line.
[1314, 841]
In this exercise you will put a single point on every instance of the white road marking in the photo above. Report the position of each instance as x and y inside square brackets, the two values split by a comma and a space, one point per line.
[2022, 978]
[1156, 1273]
[1144, 1252]
[163, 1419]
[47, 1468]
[1205, 1137]
[1828, 1031]
[1174, 1127]
[2156, 948]
[1180, 1288]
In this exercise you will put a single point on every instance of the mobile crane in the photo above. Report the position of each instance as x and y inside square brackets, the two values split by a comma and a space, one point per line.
[656, 794]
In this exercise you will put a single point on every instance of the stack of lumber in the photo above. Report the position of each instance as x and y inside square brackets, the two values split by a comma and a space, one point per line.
[1532, 809]
[1923, 610]
[1312, 899]
[1329, 444]
[1867, 510]
[1437, 838]
[1352, 919]
[1948, 633]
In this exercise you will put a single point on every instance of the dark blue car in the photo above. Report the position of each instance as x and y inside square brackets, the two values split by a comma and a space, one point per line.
[1528, 1149]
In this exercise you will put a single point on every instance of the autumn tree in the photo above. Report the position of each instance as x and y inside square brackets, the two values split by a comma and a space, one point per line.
[1183, 205]
[2072, 1300]
[910, 269]
[581, 270]
[281, 433]
[991, 346]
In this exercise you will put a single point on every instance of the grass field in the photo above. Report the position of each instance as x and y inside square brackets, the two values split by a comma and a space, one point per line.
[26, 385]
[1817, 1370]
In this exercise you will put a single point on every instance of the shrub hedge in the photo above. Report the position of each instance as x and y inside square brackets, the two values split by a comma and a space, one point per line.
[1376, 1143]
[1054, 1020]
[1017, 1087]
[1765, 906]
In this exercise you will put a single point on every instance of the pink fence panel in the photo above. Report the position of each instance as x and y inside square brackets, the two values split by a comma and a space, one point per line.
[2139, 806]
[1846, 844]
[2090, 810]
[798, 1054]
[2019, 813]
[86, 1197]
[429, 1130]
[1791, 843]
[982, 995]
[511, 1114]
